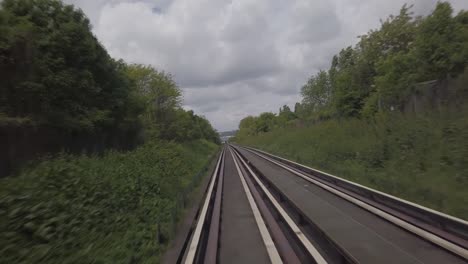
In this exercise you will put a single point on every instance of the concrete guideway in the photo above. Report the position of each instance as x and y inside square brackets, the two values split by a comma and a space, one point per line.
[260, 208]
[241, 222]
[367, 236]
[241, 240]
[241, 235]
[308, 246]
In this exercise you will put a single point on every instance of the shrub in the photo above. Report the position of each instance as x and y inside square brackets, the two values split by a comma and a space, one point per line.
[119, 208]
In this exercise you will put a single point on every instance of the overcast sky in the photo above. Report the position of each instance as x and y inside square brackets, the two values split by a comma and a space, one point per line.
[234, 58]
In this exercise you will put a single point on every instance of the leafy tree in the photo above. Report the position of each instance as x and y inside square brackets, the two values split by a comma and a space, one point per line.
[354, 70]
[347, 93]
[440, 46]
[54, 71]
[393, 38]
[437, 50]
[160, 95]
[57, 78]
[265, 122]
[285, 115]
[316, 93]
[247, 126]
[382, 71]
[286, 112]
[297, 108]
[163, 117]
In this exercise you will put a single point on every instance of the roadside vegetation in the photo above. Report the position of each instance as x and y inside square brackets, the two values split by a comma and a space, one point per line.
[98, 157]
[119, 208]
[60, 90]
[390, 113]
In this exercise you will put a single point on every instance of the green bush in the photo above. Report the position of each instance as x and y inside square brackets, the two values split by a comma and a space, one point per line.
[119, 208]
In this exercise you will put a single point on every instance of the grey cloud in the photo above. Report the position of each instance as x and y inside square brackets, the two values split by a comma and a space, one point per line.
[230, 113]
[313, 22]
[241, 57]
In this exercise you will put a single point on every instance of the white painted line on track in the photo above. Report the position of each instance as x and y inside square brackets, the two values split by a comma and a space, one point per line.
[267, 240]
[397, 221]
[201, 219]
[307, 244]
[455, 219]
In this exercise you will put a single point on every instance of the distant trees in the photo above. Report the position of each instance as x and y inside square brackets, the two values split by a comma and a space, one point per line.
[316, 93]
[382, 71]
[159, 96]
[188, 126]
[265, 122]
[285, 115]
[163, 116]
[55, 73]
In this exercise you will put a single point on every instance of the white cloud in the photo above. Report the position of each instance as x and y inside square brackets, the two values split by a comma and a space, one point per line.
[235, 58]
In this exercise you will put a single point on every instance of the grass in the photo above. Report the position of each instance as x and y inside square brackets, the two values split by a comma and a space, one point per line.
[423, 159]
[119, 208]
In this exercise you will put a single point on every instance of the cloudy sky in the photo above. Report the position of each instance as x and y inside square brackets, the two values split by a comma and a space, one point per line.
[234, 58]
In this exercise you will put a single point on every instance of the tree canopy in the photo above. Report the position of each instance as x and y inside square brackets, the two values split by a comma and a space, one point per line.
[163, 116]
[53, 69]
[54, 72]
[382, 71]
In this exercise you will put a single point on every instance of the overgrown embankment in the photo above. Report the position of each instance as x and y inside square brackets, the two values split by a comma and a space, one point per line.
[61, 91]
[119, 208]
[420, 158]
[389, 113]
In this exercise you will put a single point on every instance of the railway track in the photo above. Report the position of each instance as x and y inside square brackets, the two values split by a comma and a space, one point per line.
[260, 208]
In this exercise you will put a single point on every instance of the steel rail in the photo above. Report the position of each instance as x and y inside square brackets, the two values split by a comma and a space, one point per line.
[285, 247]
[336, 180]
[314, 253]
[195, 240]
[211, 255]
[451, 247]
[267, 240]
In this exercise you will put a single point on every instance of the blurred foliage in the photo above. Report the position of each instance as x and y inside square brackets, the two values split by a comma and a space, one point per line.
[54, 72]
[163, 116]
[359, 119]
[115, 208]
[121, 208]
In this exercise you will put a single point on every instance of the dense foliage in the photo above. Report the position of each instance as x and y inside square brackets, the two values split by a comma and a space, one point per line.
[161, 99]
[389, 113]
[121, 208]
[419, 158]
[54, 72]
[383, 72]
[384, 68]
[60, 89]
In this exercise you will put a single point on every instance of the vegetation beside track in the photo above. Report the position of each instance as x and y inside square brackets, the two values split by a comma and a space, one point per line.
[61, 90]
[389, 113]
[419, 158]
[118, 208]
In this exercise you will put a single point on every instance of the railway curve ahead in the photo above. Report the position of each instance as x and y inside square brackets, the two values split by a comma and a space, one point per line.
[260, 208]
